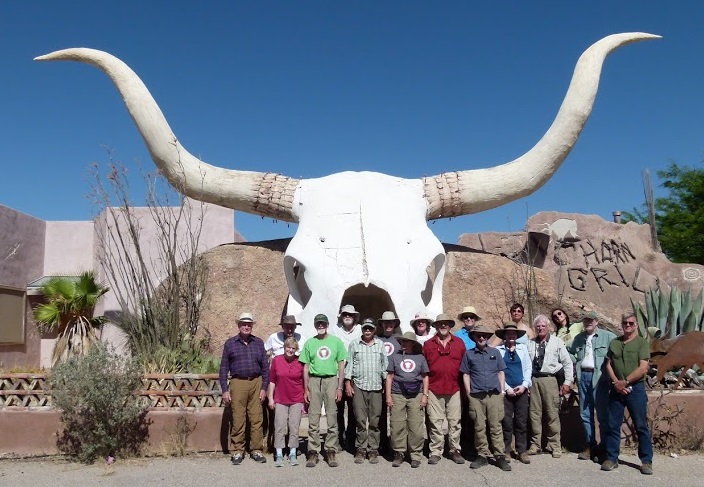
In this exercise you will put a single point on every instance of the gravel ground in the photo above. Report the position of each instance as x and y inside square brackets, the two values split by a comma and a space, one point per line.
[215, 469]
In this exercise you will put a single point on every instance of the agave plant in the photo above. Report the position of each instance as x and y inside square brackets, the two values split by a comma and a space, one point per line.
[69, 307]
[669, 313]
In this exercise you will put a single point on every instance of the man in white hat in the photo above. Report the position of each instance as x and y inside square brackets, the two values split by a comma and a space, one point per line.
[444, 353]
[274, 345]
[247, 364]
[348, 330]
[388, 329]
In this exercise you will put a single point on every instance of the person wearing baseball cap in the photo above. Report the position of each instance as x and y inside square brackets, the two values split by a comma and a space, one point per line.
[323, 358]
[483, 377]
[365, 373]
[247, 364]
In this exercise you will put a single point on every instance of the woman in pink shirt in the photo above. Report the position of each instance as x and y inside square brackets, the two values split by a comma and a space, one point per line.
[286, 399]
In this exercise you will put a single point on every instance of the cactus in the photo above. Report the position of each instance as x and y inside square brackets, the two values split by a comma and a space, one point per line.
[673, 313]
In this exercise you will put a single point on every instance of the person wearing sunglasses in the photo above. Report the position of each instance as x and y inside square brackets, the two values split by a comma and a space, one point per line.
[444, 353]
[627, 366]
[564, 330]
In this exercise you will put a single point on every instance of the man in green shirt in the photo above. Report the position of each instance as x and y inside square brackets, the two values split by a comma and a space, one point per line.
[627, 365]
[323, 358]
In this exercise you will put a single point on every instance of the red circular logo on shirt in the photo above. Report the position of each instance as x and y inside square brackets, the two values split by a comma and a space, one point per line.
[388, 348]
[324, 353]
[408, 366]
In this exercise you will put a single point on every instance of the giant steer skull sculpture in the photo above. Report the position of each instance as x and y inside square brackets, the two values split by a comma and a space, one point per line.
[346, 243]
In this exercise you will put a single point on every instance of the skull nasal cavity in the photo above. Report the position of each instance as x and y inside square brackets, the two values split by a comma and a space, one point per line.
[370, 301]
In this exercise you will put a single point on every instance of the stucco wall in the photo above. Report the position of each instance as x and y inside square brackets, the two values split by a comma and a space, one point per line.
[21, 248]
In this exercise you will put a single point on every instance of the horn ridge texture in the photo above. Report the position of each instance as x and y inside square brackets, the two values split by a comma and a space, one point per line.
[265, 194]
[471, 191]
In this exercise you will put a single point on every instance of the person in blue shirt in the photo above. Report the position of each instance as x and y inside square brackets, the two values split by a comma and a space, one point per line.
[468, 317]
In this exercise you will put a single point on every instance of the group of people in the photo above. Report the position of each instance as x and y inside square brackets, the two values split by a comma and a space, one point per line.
[494, 382]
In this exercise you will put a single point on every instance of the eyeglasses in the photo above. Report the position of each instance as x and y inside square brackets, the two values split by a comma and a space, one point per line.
[557, 314]
[631, 323]
[480, 337]
[517, 311]
[444, 351]
[443, 324]
[467, 318]
[347, 315]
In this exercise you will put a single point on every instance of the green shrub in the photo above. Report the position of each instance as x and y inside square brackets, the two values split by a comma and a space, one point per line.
[100, 414]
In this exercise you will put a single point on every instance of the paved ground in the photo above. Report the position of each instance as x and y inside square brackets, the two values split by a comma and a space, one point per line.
[214, 470]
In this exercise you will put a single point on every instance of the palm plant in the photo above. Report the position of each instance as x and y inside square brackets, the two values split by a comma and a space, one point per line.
[69, 307]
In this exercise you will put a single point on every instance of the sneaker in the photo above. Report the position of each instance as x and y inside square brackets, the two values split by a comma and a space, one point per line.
[557, 453]
[646, 469]
[292, 459]
[608, 466]
[360, 455]
[585, 454]
[312, 459]
[433, 460]
[480, 462]
[279, 461]
[456, 457]
[236, 459]
[415, 463]
[373, 456]
[398, 459]
[332, 461]
[503, 464]
[523, 458]
[258, 457]
[533, 450]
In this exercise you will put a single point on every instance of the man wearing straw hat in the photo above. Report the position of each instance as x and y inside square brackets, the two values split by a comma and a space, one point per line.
[468, 317]
[444, 353]
[348, 330]
[274, 345]
[245, 361]
[483, 377]
[388, 329]
[517, 382]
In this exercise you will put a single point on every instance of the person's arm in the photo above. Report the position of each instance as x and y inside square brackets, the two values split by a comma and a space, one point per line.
[389, 380]
[527, 367]
[224, 371]
[306, 379]
[264, 361]
[465, 379]
[568, 367]
[424, 397]
[340, 380]
[502, 378]
[271, 395]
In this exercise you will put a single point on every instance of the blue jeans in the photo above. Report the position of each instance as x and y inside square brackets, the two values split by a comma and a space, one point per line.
[593, 400]
[637, 404]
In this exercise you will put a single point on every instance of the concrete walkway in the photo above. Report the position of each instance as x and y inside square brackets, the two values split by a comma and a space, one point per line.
[214, 470]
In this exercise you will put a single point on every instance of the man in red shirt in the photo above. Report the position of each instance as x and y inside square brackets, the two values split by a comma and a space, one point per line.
[444, 354]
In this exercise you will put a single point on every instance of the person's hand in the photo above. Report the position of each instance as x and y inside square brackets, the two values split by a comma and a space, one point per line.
[338, 395]
[349, 390]
[306, 396]
[272, 404]
[226, 397]
[511, 392]
[423, 401]
[262, 395]
[620, 387]
[389, 401]
[565, 390]
[519, 390]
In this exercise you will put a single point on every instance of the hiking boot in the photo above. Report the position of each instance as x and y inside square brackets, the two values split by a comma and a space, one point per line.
[373, 456]
[415, 463]
[557, 453]
[292, 459]
[312, 459]
[503, 464]
[279, 461]
[258, 457]
[608, 466]
[533, 450]
[646, 469]
[585, 454]
[433, 460]
[398, 459]
[360, 455]
[480, 462]
[236, 459]
[523, 458]
[332, 461]
[456, 457]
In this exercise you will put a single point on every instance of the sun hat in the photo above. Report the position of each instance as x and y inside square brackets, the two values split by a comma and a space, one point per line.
[468, 310]
[348, 308]
[509, 326]
[389, 316]
[409, 336]
[482, 330]
[444, 318]
[289, 320]
[421, 315]
[246, 318]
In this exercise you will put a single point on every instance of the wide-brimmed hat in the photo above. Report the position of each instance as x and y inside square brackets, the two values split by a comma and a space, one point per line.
[388, 316]
[289, 320]
[246, 318]
[509, 326]
[348, 308]
[409, 336]
[482, 330]
[368, 323]
[421, 315]
[468, 310]
[444, 318]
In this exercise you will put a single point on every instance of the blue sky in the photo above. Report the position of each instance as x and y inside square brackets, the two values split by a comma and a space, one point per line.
[310, 88]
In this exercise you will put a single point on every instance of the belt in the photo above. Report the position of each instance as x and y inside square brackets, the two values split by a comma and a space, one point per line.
[542, 374]
[247, 378]
[323, 376]
[587, 370]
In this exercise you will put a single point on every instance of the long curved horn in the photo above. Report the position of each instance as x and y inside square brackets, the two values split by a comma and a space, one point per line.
[464, 192]
[265, 194]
